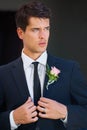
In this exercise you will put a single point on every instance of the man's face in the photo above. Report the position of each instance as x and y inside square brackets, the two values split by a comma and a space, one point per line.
[35, 37]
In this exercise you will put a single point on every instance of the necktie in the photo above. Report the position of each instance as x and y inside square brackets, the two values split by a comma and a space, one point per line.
[36, 87]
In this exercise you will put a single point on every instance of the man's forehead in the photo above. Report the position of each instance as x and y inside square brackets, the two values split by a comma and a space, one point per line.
[36, 21]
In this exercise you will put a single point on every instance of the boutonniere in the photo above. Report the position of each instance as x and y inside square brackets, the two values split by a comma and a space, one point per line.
[52, 75]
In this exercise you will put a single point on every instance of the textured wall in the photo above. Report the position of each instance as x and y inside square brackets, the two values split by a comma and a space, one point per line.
[11, 4]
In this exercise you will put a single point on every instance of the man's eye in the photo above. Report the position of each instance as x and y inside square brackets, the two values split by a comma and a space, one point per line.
[35, 29]
[47, 28]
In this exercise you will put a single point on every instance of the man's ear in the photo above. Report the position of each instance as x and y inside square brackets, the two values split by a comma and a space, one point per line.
[20, 33]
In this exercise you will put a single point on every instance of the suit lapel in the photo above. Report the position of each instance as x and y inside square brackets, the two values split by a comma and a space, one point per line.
[51, 61]
[19, 77]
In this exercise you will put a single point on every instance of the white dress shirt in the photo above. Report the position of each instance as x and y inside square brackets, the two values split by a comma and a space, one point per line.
[29, 69]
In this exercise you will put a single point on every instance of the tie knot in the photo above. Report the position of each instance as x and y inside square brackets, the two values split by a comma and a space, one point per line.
[35, 64]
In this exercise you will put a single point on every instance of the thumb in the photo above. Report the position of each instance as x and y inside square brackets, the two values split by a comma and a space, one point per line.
[28, 100]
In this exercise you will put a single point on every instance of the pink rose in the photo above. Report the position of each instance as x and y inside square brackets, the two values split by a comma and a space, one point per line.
[52, 75]
[54, 71]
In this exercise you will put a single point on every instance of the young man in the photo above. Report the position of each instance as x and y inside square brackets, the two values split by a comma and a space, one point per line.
[63, 101]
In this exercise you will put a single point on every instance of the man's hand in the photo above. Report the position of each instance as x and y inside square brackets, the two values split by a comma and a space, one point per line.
[26, 113]
[51, 109]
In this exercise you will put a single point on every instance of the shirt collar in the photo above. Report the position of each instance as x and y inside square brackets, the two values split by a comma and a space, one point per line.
[27, 60]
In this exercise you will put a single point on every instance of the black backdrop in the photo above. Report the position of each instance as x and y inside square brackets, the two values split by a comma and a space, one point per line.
[68, 32]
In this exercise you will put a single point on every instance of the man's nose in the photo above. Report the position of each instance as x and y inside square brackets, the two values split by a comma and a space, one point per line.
[42, 34]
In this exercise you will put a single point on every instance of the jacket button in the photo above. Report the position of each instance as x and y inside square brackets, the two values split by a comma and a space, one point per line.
[37, 128]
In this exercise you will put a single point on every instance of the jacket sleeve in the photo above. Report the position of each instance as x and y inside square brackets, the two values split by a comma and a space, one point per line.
[77, 111]
[4, 121]
[4, 113]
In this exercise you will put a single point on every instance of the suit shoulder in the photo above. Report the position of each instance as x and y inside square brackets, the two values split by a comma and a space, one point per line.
[60, 59]
[8, 65]
[62, 62]
[66, 61]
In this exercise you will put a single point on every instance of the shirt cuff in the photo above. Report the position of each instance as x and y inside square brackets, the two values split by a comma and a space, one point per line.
[65, 119]
[12, 122]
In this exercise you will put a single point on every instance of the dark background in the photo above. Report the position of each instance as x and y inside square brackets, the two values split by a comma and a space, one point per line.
[68, 31]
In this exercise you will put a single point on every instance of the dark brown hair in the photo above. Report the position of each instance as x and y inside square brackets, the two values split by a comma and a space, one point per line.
[31, 9]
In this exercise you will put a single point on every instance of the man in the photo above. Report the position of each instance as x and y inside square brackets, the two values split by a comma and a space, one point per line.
[63, 101]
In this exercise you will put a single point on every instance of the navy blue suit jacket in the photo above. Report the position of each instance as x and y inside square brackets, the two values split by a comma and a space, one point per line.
[70, 89]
